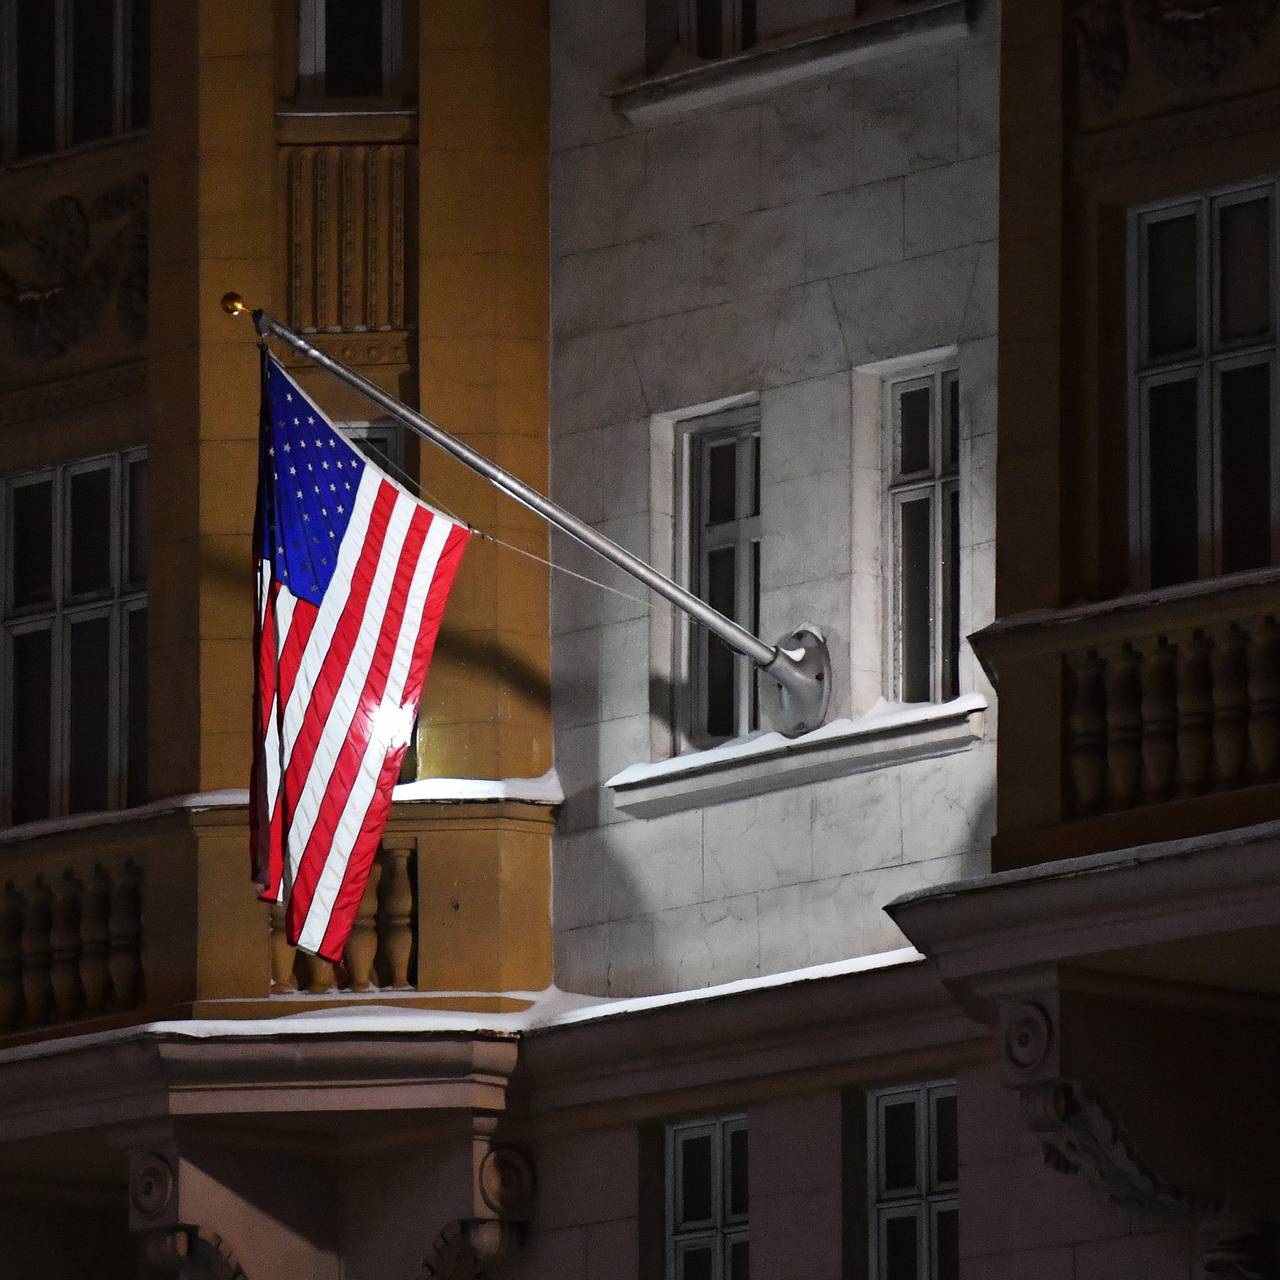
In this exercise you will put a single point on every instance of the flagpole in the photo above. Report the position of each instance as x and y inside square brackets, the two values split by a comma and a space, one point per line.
[799, 664]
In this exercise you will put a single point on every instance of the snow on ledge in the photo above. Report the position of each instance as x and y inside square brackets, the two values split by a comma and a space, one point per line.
[548, 1009]
[545, 790]
[891, 732]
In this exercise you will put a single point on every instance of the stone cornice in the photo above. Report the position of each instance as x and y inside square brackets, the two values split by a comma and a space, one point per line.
[69, 395]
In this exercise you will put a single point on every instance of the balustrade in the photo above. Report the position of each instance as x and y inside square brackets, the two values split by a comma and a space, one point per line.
[1174, 715]
[71, 949]
[380, 950]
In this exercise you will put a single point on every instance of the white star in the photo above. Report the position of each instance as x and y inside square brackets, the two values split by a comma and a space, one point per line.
[271, 452]
[325, 465]
[332, 487]
[341, 509]
[299, 493]
[286, 446]
[302, 442]
[310, 467]
[293, 471]
[296, 423]
[331, 533]
[312, 421]
[288, 395]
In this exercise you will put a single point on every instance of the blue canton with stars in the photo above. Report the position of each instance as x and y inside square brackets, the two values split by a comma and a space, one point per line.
[308, 477]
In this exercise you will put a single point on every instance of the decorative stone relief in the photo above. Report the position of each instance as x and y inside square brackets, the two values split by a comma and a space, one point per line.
[466, 1248]
[1195, 42]
[1103, 44]
[58, 274]
[1236, 1249]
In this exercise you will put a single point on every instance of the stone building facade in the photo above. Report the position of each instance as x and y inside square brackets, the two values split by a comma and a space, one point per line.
[644, 989]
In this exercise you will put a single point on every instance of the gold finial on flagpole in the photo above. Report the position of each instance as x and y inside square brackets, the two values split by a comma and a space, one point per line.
[233, 304]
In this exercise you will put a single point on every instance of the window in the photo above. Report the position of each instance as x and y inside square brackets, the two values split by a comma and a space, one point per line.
[914, 1175]
[723, 553]
[72, 72]
[382, 441]
[1203, 471]
[705, 29]
[707, 1190]
[924, 507]
[75, 638]
[350, 50]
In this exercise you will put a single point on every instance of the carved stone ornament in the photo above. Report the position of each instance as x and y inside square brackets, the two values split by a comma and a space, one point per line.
[59, 273]
[1195, 42]
[1102, 46]
[1080, 1136]
[186, 1254]
[1237, 1249]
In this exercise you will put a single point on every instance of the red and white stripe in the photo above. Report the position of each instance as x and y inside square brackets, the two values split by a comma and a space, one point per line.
[339, 685]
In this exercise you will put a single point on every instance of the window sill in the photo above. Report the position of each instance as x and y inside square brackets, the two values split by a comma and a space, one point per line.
[769, 67]
[892, 734]
[316, 126]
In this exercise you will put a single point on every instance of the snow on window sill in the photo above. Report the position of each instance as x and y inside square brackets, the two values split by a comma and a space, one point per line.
[891, 733]
[787, 62]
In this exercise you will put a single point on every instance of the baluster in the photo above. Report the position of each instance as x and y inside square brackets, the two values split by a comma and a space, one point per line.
[1195, 714]
[1124, 727]
[395, 915]
[10, 957]
[124, 926]
[1086, 720]
[363, 945]
[94, 935]
[283, 979]
[1159, 710]
[1230, 708]
[64, 972]
[1264, 699]
[37, 952]
[318, 974]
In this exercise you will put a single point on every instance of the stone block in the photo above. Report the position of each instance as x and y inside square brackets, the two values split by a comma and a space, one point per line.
[795, 1144]
[575, 474]
[824, 603]
[904, 119]
[853, 230]
[906, 307]
[575, 678]
[580, 113]
[1031, 1264]
[797, 1234]
[806, 529]
[613, 1250]
[623, 468]
[561, 1253]
[624, 669]
[587, 755]
[753, 253]
[978, 108]
[758, 843]
[805, 143]
[594, 381]
[990, 1122]
[978, 587]
[804, 428]
[582, 601]
[807, 341]
[581, 958]
[588, 22]
[577, 885]
[978, 386]
[1163, 1255]
[571, 1191]
[979, 319]
[652, 865]
[951, 205]
[948, 805]
[857, 823]
[978, 497]
[595, 194]
[692, 947]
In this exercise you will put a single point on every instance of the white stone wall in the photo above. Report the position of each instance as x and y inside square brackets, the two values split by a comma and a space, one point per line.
[771, 249]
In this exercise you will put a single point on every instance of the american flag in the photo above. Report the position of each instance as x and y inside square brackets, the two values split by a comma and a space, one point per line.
[352, 577]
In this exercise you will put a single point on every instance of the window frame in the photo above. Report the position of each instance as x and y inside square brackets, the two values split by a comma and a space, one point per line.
[928, 1197]
[696, 437]
[936, 485]
[123, 105]
[59, 615]
[312, 59]
[723, 1229]
[1205, 361]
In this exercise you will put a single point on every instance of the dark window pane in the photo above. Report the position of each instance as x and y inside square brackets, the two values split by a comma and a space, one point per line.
[913, 430]
[722, 463]
[87, 683]
[30, 699]
[710, 34]
[738, 1172]
[1246, 467]
[353, 48]
[140, 63]
[36, 128]
[136, 710]
[1175, 537]
[951, 436]
[749, 25]
[755, 630]
[914, 603]
[31, 553]
[946, 1244]
[945, 1143]
[1244, 298]
[721, 664]
[92, 70]
[739, 1260]
[901, 1251]
[137, 548]
[695, 1264]
[753, 443]
[1172, 304]
[90, 531]
[951, 596]
[694, 1155]
[899, 1139]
